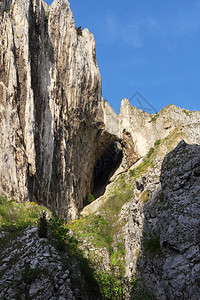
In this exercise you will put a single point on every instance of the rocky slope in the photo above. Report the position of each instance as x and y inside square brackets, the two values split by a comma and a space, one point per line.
[153, 211]
[162, 233]
[33, 270]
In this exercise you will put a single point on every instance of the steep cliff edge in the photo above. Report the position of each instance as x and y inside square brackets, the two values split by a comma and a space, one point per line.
[51, 109]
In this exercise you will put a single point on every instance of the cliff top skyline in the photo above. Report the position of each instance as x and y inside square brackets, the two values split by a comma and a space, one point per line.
[151, 47]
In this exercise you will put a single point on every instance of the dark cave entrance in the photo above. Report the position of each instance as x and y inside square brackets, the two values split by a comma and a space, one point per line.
[105, 167]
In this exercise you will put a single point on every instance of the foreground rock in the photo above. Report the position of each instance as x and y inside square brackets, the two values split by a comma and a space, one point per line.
[162, 236]
[31, 268]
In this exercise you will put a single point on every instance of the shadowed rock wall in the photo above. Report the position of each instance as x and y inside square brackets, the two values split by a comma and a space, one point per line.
[51, 113]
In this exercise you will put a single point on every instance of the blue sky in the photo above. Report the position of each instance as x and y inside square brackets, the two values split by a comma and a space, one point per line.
[149, 46]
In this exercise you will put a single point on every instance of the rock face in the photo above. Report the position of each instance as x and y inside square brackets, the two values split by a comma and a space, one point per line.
[56, 132]
[160, 219]
[51, 112]
[162, 235]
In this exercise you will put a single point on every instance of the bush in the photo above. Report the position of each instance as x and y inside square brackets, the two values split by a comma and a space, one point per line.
[42, 226]
[79, 31]
[59, 232]
[154, 117]
[157, 143]
[132, 172]
[90, 198]
[47, 16]
[151, 243]
[151, 151]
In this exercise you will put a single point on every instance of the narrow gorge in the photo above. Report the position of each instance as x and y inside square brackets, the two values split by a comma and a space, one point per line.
[126, 185]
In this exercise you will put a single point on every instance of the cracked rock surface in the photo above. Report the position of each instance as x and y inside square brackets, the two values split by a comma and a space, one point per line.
[171, 214]
[31, 268]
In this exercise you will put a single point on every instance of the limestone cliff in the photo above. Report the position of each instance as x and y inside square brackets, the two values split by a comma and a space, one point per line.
[150, 212]
[59, 141]
[51, 112]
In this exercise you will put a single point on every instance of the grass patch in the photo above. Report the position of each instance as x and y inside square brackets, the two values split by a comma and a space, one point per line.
[89, 199]
[157, 143]
[63, 242]
[139, 291]
[99, 229]
[15, 216]
[143, 166]
[96, 228]
[186, 112]
[146, 162]
[144, 197]
[154, 117]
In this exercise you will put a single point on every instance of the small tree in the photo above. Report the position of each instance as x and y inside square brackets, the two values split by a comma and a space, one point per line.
[79, 31]
[43, 226]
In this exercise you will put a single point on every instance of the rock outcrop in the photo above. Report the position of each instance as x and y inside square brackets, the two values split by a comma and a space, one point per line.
[159, 221]
[51, 109]
[31, 268]
[57, 135]
[163, 233]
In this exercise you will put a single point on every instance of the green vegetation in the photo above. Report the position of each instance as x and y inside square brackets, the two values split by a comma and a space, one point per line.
[186, 112]
[157, 143]
[146, 162]
[99, 230]
[42, 226]
[17, 216]
[101, 227]
[111, 287]
[93, 281]
[59, 232]
[151, 243]
[154, 117]
[144, 197]
[151, 151]
[63, 242]
[95, 227]
[139, 291]
[118, 288]
[79, 31]
[90, 198]
[47, 16]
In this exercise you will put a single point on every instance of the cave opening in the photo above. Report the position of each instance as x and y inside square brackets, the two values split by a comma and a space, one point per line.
[105, 167]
